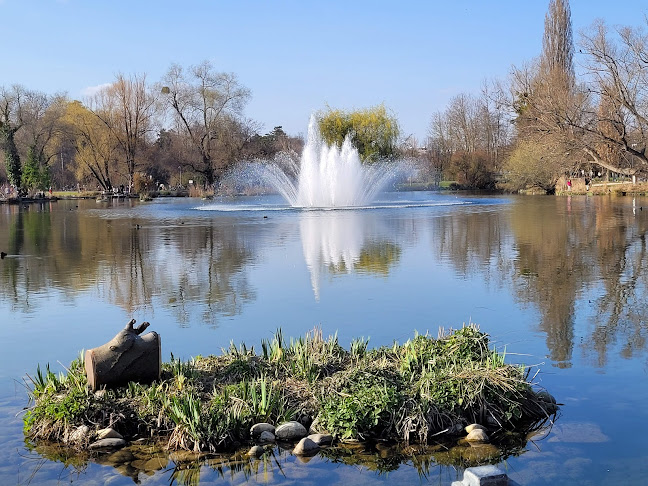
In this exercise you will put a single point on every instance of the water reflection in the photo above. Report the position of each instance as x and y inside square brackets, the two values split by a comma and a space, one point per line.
[346, 241]
[553, 254]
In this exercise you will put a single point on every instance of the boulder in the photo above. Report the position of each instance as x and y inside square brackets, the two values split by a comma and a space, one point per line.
[290, 431]
[306, 447]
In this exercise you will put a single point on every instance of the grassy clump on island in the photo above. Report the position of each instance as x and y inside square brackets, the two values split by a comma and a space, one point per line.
[410, 392]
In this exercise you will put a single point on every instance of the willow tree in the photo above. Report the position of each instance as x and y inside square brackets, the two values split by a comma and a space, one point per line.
[96, 148]
[373, 131]
[206, 106]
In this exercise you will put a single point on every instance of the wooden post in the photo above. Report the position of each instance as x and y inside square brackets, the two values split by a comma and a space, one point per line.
[126, 357]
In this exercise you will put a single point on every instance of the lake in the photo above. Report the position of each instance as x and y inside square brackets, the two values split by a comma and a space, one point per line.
[557, 282]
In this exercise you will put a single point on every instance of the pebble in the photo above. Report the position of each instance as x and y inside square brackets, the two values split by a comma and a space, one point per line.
[108, 433]
[477, 435]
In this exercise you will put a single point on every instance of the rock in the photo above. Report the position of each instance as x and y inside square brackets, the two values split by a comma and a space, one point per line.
[471, 427]
[258, 429]
[107, 444]
[79, 435]
[266, 437]
[306, 447]
[108, 433]
[483, 476]
[477, 435]
[321, 439]
[255, 451]
[290, 431]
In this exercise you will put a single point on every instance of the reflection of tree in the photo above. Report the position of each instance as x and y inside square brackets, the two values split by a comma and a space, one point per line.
[378, 257]
[130, 262]
[472, 241]
[554, 256]
[622, 310]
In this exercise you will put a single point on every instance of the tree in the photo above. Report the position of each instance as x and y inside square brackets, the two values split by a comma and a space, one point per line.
[467, 139]
[96, 147]
[558, 43]
[545, 94]
[35, 174]
[205, 104]
[127, 108]
[373, 131]
[11, 112]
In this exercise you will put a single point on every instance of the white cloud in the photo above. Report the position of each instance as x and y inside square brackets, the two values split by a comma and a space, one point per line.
[93, 90]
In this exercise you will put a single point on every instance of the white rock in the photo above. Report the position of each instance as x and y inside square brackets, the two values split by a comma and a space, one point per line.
[290, 431]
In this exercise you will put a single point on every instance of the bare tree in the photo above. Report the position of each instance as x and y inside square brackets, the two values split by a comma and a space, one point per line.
[127, 108]
[204, 104]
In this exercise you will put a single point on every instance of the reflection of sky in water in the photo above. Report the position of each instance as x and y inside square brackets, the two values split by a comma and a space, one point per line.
[561, 282]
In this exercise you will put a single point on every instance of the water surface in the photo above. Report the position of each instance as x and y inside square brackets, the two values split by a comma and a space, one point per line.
[556, 281]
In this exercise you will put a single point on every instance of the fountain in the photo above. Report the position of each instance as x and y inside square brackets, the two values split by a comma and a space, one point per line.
[327, 176]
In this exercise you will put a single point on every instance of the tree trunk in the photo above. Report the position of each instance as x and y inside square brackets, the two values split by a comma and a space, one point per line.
[127, 357]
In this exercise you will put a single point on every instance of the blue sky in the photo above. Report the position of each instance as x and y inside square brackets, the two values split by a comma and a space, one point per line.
[295, 56]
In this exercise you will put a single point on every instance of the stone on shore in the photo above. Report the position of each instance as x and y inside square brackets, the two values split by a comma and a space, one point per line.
[290, 431]
[306, 447]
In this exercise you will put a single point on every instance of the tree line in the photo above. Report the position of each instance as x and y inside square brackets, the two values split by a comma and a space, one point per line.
[546, 121]
[132, 133]
[543, 123]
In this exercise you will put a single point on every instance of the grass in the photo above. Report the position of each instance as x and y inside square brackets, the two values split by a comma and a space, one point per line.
[411, 393]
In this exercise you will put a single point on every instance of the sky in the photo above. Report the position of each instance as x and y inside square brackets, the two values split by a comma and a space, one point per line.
[296, 56]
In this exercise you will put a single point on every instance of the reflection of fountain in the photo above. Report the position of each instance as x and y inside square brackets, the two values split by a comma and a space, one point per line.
[344, 242]
[327, 176]
[332, 240]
